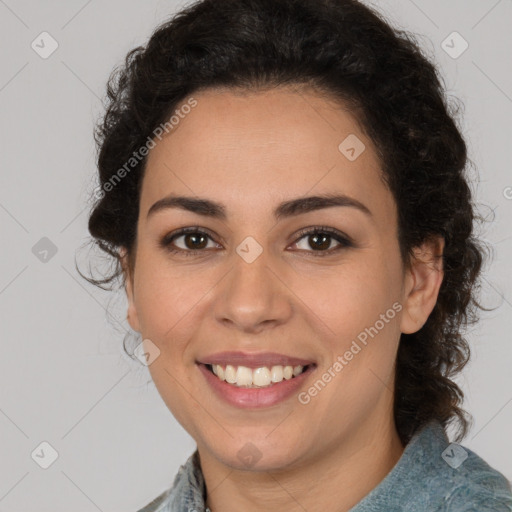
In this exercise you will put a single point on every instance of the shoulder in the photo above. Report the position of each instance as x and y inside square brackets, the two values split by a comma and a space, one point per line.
[475, 486]
[435, 475]
[157, 504]
[456, 478]
[186, 493]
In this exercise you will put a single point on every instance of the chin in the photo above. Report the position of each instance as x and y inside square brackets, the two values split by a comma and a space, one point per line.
[251, 453]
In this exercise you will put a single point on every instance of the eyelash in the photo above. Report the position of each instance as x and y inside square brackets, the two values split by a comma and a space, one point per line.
[345, 242]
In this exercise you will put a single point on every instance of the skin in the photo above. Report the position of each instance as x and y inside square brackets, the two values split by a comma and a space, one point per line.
[251, 152]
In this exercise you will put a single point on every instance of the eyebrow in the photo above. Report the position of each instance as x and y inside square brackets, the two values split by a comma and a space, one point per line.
[286, 209]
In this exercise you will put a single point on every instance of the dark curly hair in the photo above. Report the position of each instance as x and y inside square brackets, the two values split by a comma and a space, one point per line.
[346, 51]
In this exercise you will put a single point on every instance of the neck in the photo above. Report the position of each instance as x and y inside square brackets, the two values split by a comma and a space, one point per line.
[348, 470]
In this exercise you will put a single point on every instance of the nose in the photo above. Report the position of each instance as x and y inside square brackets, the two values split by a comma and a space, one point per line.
[253, 296]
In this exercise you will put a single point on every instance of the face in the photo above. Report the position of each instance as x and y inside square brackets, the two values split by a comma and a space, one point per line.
[277, 281]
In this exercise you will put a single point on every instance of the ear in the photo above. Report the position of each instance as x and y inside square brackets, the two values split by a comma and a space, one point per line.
[423, 279]
[132, 316]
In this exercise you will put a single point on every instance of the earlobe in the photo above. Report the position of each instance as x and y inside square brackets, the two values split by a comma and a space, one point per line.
[131, 316]
[422, 284]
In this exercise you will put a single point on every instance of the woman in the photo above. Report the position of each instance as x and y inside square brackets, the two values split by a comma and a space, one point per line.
[283, 190]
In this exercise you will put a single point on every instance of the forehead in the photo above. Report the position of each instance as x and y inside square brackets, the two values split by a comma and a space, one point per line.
[249, 148]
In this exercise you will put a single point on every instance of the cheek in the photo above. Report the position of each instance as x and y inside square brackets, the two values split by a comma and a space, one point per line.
[359, 304]
[173, 302]
[351, 297]
[164, 295]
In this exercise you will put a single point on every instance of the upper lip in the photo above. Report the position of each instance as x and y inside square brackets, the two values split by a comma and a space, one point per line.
[253, 360]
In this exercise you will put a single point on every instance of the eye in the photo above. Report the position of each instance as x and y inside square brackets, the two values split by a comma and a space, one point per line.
[320, 238]
[196, 239]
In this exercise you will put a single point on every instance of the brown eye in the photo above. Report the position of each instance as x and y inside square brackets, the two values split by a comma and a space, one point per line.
[320, 240]
[193, 241]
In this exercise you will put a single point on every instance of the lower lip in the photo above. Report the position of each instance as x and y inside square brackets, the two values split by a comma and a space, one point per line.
[248, 398]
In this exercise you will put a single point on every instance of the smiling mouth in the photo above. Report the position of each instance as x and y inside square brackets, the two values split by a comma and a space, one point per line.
[262, 377]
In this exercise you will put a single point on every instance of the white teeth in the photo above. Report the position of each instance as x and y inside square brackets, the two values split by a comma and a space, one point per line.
[230, 374]
[243, 376]
[259, 377]
[276, 373]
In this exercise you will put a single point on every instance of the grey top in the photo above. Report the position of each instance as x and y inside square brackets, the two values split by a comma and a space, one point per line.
[432, 475]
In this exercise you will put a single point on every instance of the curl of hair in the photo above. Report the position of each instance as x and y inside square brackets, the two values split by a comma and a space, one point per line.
[346, 51]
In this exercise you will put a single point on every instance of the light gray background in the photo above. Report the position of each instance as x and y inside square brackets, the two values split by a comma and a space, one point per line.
[64, 376]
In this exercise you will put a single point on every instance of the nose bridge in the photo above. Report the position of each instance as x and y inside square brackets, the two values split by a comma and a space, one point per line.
[252, 295]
